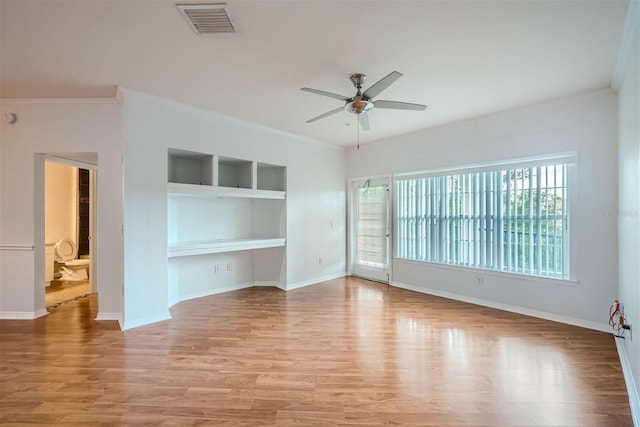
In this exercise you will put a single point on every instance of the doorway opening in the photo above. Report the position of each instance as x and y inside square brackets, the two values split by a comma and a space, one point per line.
[370, 229]
[69, 228]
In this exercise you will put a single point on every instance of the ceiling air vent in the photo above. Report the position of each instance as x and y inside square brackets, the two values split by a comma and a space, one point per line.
[206, 19]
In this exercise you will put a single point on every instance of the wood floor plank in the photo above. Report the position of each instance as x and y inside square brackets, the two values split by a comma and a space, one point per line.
[347, 352]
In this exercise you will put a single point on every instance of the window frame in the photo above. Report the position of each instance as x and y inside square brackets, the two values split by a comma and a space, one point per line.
[570, 246]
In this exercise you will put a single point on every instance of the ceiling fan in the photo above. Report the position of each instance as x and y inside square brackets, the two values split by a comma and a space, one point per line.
[361, 102]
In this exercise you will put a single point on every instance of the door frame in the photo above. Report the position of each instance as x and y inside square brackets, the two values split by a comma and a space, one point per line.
[84, 160]
[351, 229]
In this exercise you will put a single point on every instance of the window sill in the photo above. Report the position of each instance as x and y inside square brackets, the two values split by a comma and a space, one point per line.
[493, 273]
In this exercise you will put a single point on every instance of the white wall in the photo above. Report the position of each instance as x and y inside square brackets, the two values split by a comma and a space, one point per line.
[629, 194]
[137, 267]
[584, 124]
[56, 127]
[60, 202]
[315, 200]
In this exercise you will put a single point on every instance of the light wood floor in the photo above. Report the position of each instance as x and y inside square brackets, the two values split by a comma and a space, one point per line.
[60, 292]
[342, 353]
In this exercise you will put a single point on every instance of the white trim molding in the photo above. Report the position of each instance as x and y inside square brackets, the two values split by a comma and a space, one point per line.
[506, 307]
[274, 284]
[23, 315]
[146, 320]
[113, 100]
[15, 247]
[110, 317]
[315, 281]
[215, 291]
[221, 290]
[40, 313]
[70, 161]
[632, 391]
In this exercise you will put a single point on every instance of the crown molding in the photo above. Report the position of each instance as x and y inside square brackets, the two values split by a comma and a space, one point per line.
[60, 101]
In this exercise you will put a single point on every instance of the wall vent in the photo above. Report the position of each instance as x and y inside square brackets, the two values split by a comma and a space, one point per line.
[207, 19]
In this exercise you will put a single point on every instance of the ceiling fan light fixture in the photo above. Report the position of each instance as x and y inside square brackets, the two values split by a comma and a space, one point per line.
[358, 106]
[361, 102]
[358, 80]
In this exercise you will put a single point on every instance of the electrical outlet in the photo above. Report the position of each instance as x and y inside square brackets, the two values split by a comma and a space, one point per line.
[320, 260]
[216, 268]
[229, 267]
[479, 280]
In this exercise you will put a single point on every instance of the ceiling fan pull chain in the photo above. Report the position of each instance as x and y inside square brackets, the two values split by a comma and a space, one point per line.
[358, 128]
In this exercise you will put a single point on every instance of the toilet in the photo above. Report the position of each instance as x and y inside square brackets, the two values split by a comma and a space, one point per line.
[71, 269]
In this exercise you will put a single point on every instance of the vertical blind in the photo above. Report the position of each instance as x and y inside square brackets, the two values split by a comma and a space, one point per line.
[371, 226]
[512, 220]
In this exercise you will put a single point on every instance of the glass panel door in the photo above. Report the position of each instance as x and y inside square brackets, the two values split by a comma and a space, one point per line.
[371, 230]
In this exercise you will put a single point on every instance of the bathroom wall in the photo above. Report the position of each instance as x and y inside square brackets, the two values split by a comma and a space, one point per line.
[60, 195]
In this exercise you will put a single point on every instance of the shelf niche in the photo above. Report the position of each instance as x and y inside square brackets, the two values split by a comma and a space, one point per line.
[224, 211]
[193, 219]
[271, 177]
[187, 167]
[235, 173]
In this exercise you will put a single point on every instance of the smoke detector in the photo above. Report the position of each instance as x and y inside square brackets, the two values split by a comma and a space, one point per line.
[207, 18]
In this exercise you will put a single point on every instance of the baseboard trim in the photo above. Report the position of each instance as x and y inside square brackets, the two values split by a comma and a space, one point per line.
[142, 321]
[215, 291]
[110, 317]
[314, 281]
[506, 307]
[173, 301]
[231, 288]
[23, 315]
[274, 284]
[237, 287]
[632, 391]
[40, 313]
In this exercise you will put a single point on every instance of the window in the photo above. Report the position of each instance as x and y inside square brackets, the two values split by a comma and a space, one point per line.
[511, 220]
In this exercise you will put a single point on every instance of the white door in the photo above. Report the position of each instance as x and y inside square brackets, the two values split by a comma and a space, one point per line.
[371, 230]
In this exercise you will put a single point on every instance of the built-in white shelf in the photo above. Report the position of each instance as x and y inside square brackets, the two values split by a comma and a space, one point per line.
[177, 189]
[235, 173]
[224, 210]
[190, 167]
[271, 177]
[223, 245]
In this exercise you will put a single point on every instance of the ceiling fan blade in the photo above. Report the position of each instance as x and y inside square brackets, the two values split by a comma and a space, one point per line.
[324, 93]
[382, 84]
[395, 105]
[328, 113]
[363, 118]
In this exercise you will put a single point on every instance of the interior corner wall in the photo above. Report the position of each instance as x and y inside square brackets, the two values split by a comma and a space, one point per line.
[585, 124]
[628, 212]
[56, 127]
[315, 195]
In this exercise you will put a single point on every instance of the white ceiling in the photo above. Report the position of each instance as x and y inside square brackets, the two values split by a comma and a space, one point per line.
[462, 58]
